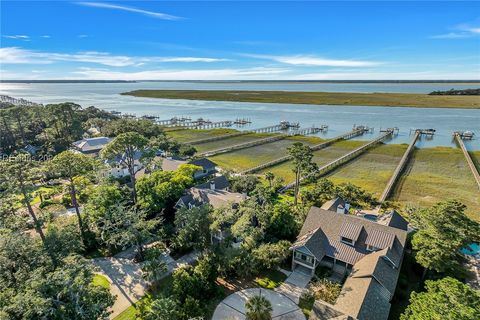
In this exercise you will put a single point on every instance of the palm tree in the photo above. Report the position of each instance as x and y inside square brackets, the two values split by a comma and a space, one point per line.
[269, 176]
[258, 308]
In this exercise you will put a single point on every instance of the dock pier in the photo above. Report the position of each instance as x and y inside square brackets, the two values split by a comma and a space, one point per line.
[401, 165]
[345, 136]
[458, 138]
[345, 158]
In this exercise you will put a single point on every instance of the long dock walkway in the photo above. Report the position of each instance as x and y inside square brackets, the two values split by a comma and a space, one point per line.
[398, 170]
[345, 136]
[469, 159]
[249, 144]
[345, 158]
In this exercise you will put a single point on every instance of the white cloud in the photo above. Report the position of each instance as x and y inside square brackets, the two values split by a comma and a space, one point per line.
[174, 74]
[460, 31]
[18, 36]
[451, 35]
[16, 55]
[45, 36]
[82, 36]
[153, 14]
[308, 60]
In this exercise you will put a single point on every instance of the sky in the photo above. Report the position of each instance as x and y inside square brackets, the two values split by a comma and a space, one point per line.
[262, 40]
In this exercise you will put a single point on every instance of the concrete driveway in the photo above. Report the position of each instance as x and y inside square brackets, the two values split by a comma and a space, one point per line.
[294, 285]
[233, 306]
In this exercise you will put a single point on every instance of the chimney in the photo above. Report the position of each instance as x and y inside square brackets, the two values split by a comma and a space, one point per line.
[212, 185]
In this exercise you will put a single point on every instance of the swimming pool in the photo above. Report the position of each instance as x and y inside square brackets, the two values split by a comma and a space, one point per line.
[471, 250]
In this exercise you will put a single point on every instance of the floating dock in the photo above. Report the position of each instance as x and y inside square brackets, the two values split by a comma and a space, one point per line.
[476, 174]
[355, 132]
[345, 158]
[401, 165]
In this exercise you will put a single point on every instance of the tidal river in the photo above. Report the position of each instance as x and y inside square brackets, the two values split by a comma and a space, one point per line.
[339, 118]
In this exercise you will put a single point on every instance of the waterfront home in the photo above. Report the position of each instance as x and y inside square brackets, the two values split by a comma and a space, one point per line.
[208, 167]
[370, 253]
[91, 146]
[116, 168]
[214, 192]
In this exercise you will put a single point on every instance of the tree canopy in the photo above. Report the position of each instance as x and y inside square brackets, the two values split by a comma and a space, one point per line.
[447, 299]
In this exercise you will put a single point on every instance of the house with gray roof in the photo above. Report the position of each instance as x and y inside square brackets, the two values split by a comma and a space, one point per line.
[215, 192]
[91, 146]
[208, 167]
[369, 252]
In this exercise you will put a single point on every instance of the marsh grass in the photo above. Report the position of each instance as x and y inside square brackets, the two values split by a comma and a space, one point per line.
[251, 157]
[320, 98]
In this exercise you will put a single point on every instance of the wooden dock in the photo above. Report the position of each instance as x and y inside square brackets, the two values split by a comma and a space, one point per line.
[249, 144]
[345, 136]
[401, 165]
[345, 158]
[243, 145]
[476, 174]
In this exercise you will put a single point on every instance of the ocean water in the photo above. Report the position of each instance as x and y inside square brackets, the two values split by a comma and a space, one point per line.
[339, 118]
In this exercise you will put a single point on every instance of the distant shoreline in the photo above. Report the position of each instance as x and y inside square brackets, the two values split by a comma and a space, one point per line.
[247, 81]
[318, 98]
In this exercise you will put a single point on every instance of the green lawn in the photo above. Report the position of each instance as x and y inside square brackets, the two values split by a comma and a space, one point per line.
[271, 279]
[102, 281]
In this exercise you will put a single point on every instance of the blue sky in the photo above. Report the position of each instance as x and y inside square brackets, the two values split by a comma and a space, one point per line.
[141, 40]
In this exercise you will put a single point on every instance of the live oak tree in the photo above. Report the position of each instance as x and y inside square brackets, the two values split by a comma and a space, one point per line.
[193, 227]
[447, 299]
[125, 149]
[123, 227]
[70, 165]
[31, 287]
[443, 230]
[301, 165]
[17, 176]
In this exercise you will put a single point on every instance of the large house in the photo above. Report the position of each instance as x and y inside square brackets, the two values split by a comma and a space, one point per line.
[117, 169]
[369, 252]
[91, 146]
[214, 192]
[208, 166]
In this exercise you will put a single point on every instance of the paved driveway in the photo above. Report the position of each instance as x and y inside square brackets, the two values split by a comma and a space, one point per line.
[294, 285]
[125, 276]
[233, 306]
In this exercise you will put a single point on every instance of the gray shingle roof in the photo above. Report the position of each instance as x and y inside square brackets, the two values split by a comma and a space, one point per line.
[204, 163]
[397, 221]
[221, 183]
[216, 198]
[380, 239]
[91, 144]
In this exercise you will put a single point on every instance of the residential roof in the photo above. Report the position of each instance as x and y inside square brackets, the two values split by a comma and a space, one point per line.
[91, 144]
[333, 204]
[395, 220]
[216, 198]
[351, 231]
[204, 163]
[370, 286]
[221, 183]
[380, 239]
[329, 224]
[368, 290]
[172, 164]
